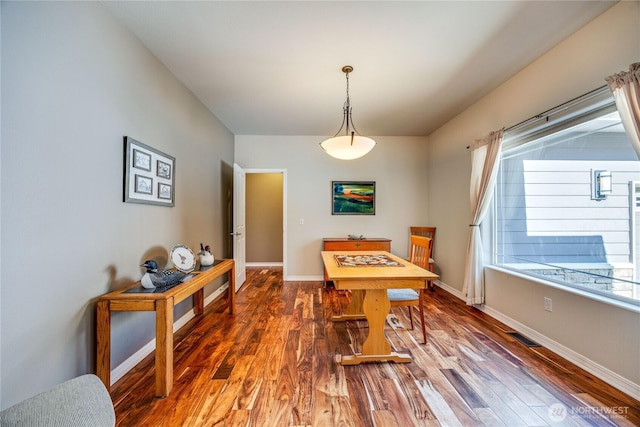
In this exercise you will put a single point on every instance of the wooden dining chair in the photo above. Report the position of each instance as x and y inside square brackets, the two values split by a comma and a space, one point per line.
[419, 255]
[426, 232]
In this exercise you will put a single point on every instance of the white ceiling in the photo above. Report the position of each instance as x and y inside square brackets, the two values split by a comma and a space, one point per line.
[274, 68]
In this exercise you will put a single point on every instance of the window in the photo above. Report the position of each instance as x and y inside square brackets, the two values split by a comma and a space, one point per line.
[555, 215]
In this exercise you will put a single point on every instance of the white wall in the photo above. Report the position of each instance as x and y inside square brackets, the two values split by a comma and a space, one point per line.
[74, 82]
[396, 164]
[577, 65]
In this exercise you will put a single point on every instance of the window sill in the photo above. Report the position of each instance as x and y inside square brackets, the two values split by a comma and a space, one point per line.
[634, 307]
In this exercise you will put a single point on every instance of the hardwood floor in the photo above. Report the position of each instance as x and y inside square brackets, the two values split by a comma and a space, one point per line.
[272, 364]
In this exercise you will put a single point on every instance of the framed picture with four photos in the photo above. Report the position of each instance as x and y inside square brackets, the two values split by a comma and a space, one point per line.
[149, 174]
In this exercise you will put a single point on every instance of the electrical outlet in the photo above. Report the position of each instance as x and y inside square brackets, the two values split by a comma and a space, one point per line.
[548, 304]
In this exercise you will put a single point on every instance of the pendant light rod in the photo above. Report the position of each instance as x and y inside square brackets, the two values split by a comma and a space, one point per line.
[352, 145]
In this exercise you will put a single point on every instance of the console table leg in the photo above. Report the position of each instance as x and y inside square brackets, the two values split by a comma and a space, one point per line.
[231, 291]
[198, 302]
[103, 343]
[164, 347]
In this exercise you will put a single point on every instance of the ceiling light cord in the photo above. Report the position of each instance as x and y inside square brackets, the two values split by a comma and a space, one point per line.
[352, 145]
[347, 110]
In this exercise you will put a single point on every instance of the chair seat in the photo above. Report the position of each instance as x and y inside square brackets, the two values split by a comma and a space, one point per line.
[402, 294]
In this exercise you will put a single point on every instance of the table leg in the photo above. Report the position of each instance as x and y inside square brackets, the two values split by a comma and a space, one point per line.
[164, 347]
[354, 309]
[198, 302]
[231, 291]
[376, 306]
[376, 347]
[103, 343]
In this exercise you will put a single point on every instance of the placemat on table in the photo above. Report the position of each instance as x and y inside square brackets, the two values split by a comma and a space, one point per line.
[366, 261]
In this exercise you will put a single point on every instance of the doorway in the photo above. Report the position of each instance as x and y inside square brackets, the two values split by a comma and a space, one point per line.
[266, 218]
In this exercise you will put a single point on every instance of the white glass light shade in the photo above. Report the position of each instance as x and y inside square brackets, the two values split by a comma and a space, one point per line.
[603, 184]
[341, 147]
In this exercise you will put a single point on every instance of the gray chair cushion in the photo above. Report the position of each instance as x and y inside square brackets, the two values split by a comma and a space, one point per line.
[402, 294]
[79, 402]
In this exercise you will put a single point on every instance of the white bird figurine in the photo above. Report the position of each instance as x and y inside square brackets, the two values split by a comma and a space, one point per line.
[159, 279]
[205, 256]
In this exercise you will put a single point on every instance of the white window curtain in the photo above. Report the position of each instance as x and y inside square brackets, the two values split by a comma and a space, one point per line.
[485, 153]
[625, 87]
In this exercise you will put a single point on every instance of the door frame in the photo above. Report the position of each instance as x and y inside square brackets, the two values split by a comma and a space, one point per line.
[284, 211]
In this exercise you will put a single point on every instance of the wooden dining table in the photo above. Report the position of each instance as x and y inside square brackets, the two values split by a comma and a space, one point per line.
[368, 275]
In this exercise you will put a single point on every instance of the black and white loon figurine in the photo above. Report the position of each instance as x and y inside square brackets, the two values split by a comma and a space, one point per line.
[205, 256]
[158, 279]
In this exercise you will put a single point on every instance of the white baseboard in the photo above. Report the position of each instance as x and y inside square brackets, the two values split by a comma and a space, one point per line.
[577, 359]
[120, 370]
[452, 291]
[304, 279]
[263, 264]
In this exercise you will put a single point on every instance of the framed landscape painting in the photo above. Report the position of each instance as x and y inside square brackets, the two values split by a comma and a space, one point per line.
[353, 198]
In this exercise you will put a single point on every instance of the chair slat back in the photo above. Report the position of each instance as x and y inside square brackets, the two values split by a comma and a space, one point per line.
[425, 232]
[420, 251]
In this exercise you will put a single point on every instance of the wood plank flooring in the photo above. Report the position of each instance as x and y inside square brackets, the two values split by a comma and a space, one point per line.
[272, 364]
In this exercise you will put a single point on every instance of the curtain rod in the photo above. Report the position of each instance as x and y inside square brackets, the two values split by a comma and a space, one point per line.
[549, 111]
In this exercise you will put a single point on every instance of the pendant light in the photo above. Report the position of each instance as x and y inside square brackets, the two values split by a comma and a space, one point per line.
[351, 145]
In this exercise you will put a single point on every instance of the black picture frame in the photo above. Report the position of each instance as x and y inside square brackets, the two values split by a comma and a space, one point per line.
[353, 197]
[165, 191]
[163, 170]
[141, 160]
[143, 184]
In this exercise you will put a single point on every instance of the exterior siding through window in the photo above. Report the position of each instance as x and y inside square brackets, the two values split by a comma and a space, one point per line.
[548, 222]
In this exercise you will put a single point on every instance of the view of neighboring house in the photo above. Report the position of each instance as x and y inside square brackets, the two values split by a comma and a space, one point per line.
[552, 218]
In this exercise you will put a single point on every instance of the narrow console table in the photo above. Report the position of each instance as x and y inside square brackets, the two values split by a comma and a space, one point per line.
[345, 244]
[137, 298]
